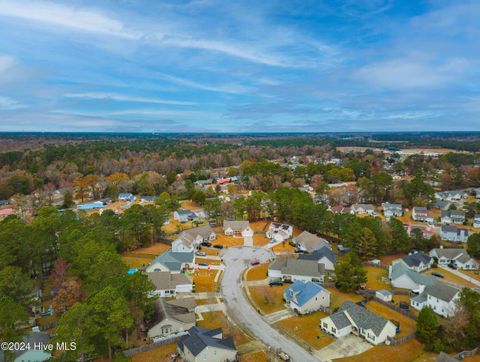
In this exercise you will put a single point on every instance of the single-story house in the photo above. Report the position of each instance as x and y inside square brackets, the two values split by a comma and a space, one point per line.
[452, 217]
[91, 206]
[476, 221]
[392, 210]
[403, 277]
[442, 204]
[203, 183]
[290, 268]
[184, 215]
[172, 262]
[352, 318]
[440, 297]
[34, 339]
[201, 344]
[454, 195]
[144, 199]
[309, 242]
[457, 257]
[172, 316]
[363, 209]
[306, 297]
[169, 284]
[237, 228]
[384, 295]
[279, 232]
[454, 234]
[323, 256]
[418, 261]
[189, 240]
[126, 196]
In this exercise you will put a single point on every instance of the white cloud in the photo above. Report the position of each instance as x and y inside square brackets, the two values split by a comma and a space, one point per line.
[123, 98]
[222, 88]
[7, 104]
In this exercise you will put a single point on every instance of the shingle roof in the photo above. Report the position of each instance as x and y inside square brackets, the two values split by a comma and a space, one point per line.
[399, 269]
[236, 225]
[182, 312]
[301, 292]
[292, 266]
[443, 357]
[200, 338]
[166, 280]
[416, 259]
[173, 260]
[441, 291]
[363, 318]
[319, 254]
[310, 242]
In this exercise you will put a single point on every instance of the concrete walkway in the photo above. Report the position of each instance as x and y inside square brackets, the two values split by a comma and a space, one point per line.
[347, 346]
[461, 275]
[275, 317]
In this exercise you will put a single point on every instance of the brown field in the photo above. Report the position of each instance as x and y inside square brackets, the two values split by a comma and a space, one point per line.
[259, 225]
[204, 280]
[475, 274]
[210, 251]
[135, 261]
[451, 277]
[155, 249]
[208, 261]
[268, 299]
[206, 301]
[189, 205]
[260, 240]
[258, 272]
[227, 240]
[161, 353]
[337, 297]
[283, 247]
[389, 258]
[406, 352]
[307, 329]
[407, 325]
[374, 278]
[214, 320]
[254, 357]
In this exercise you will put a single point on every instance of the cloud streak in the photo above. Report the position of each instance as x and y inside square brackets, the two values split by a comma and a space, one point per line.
[126, 98]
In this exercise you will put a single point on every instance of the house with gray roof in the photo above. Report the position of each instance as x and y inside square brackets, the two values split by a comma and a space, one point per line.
[184, 215]
[168, 284]
[457, 257]
[172, 262]
[306, 297]
[310, 242]
[323, 256]
[189, 240]
[442, 298]
[452, 217]
[279, 232]
[454, 195]
[352, 318]
[418, 261]
[239, 228]
[361, 209]
[172, 317]
[454, 234]
[290, 268]
[392, 210]
[401, 276]
[476, 221]
[201, 344]
[442, 204]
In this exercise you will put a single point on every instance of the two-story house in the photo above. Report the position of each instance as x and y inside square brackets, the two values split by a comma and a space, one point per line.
[306, 297]
[392, 210]
[452, 217]
[440, 297]
[189, 240]
[454, 234]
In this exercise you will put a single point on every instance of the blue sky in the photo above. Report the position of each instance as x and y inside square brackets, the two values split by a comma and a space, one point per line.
[239, 66]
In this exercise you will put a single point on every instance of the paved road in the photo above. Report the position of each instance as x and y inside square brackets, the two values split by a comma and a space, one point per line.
[461, 275]
[239, 309]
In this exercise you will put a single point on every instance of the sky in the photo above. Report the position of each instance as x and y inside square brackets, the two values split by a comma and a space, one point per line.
[239, 66]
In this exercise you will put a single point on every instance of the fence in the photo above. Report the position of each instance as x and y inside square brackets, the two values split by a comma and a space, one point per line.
[464, 354]
[397, 341]
[376, 265]
[148, 347]
[370, 295]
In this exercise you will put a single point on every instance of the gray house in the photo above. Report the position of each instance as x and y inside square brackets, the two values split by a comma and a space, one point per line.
[172, 316]
[171, 261]
[310, 242]
[201, 344]
[392, 210]
[454, 234]
[452, 217]
[290, 268]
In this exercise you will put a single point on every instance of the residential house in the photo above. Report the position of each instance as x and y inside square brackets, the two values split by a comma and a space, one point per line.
[392, 210]
[426, 230]
[359, 209]
[184, 216]
[172, 262]
[290, 268]
[452, 217]
[352, 318]
[340, 209]
[384, 295]
[145, 199]
[169, 284]
[306, 297]
[454, 234]
[457, 257]
[201, 214]
[443, 357]
[418, 261]
[172, 317]
[91, 206]
[309, 242]
[279, 232]
[403, 277]
[442, 204]
[189, 240]
[422, 214]
[35, 352]
[239, 229]
[203, 183]
[454, 195]
[476, 221]
[4, 202]
[201, 344]
[440, 297]
[323, 256]
[126, 196]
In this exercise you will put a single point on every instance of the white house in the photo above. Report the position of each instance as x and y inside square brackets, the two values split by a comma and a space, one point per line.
[452, 217]
[418, 261]
[306, 297]
[126, 196]
[279, 232]
[458, 257]
[392, 210]
[476, 221]
[384, 295]
[189, 240]
[169, 284]
[440, 297]
[206, 345]
[184, 215]
[172, 262]
[289, 268]
[307, 241]
[455, 195]
[403, 277]
[363, 209]
[422, 214]
[352, 318]
[454, 234]
[239, 229]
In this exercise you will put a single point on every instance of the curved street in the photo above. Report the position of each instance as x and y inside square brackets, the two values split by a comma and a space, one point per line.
[236, 260]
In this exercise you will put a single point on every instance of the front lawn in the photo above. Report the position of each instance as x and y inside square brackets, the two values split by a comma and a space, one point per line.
[407, 325]
[212, 320]
[269, 299]
[205, 280]
[161, 353]
[258, 272]
[377, 278]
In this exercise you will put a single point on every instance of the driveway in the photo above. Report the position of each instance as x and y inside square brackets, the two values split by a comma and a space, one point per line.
[343, 347]
[239, 309]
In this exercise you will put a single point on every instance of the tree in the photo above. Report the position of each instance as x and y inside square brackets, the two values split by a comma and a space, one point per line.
[350, 274]
[400, 239]
[427, 329]
[366, 246]
[473, 245]
[11, 314]
[68, 200]
[15, 284]
[67, 294]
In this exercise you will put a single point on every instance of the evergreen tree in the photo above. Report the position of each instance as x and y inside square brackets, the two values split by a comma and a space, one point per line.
[427, 329]
[350, 274]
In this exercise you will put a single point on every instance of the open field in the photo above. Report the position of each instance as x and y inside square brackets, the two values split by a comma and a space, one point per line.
[475, 274]
[204, 280]
[260, 240]
[254, 357]
[451, 277]
[227, 241]
[259, 225]
[189, 205]
[136, 261]
[407, 325]
[337, 298]
[258, 272]
[214, 320]
[307, 329]
[155, 249]
[377, 278]
[161, 353]
[389, 258]
[269, 299]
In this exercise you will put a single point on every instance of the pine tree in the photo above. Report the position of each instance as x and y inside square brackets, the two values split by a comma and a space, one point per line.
[427, 329]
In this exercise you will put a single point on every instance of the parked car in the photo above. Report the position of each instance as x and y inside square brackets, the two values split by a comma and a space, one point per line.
[254, 262]
[202, 264]
[300, 251]
[452, 266]
[200, 253]
[438, 275]
[218, 246]
[404, 306]
[206, 243]
[273, 283]
[283, 356]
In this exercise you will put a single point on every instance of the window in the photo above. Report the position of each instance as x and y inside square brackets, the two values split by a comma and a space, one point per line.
[334, 330]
